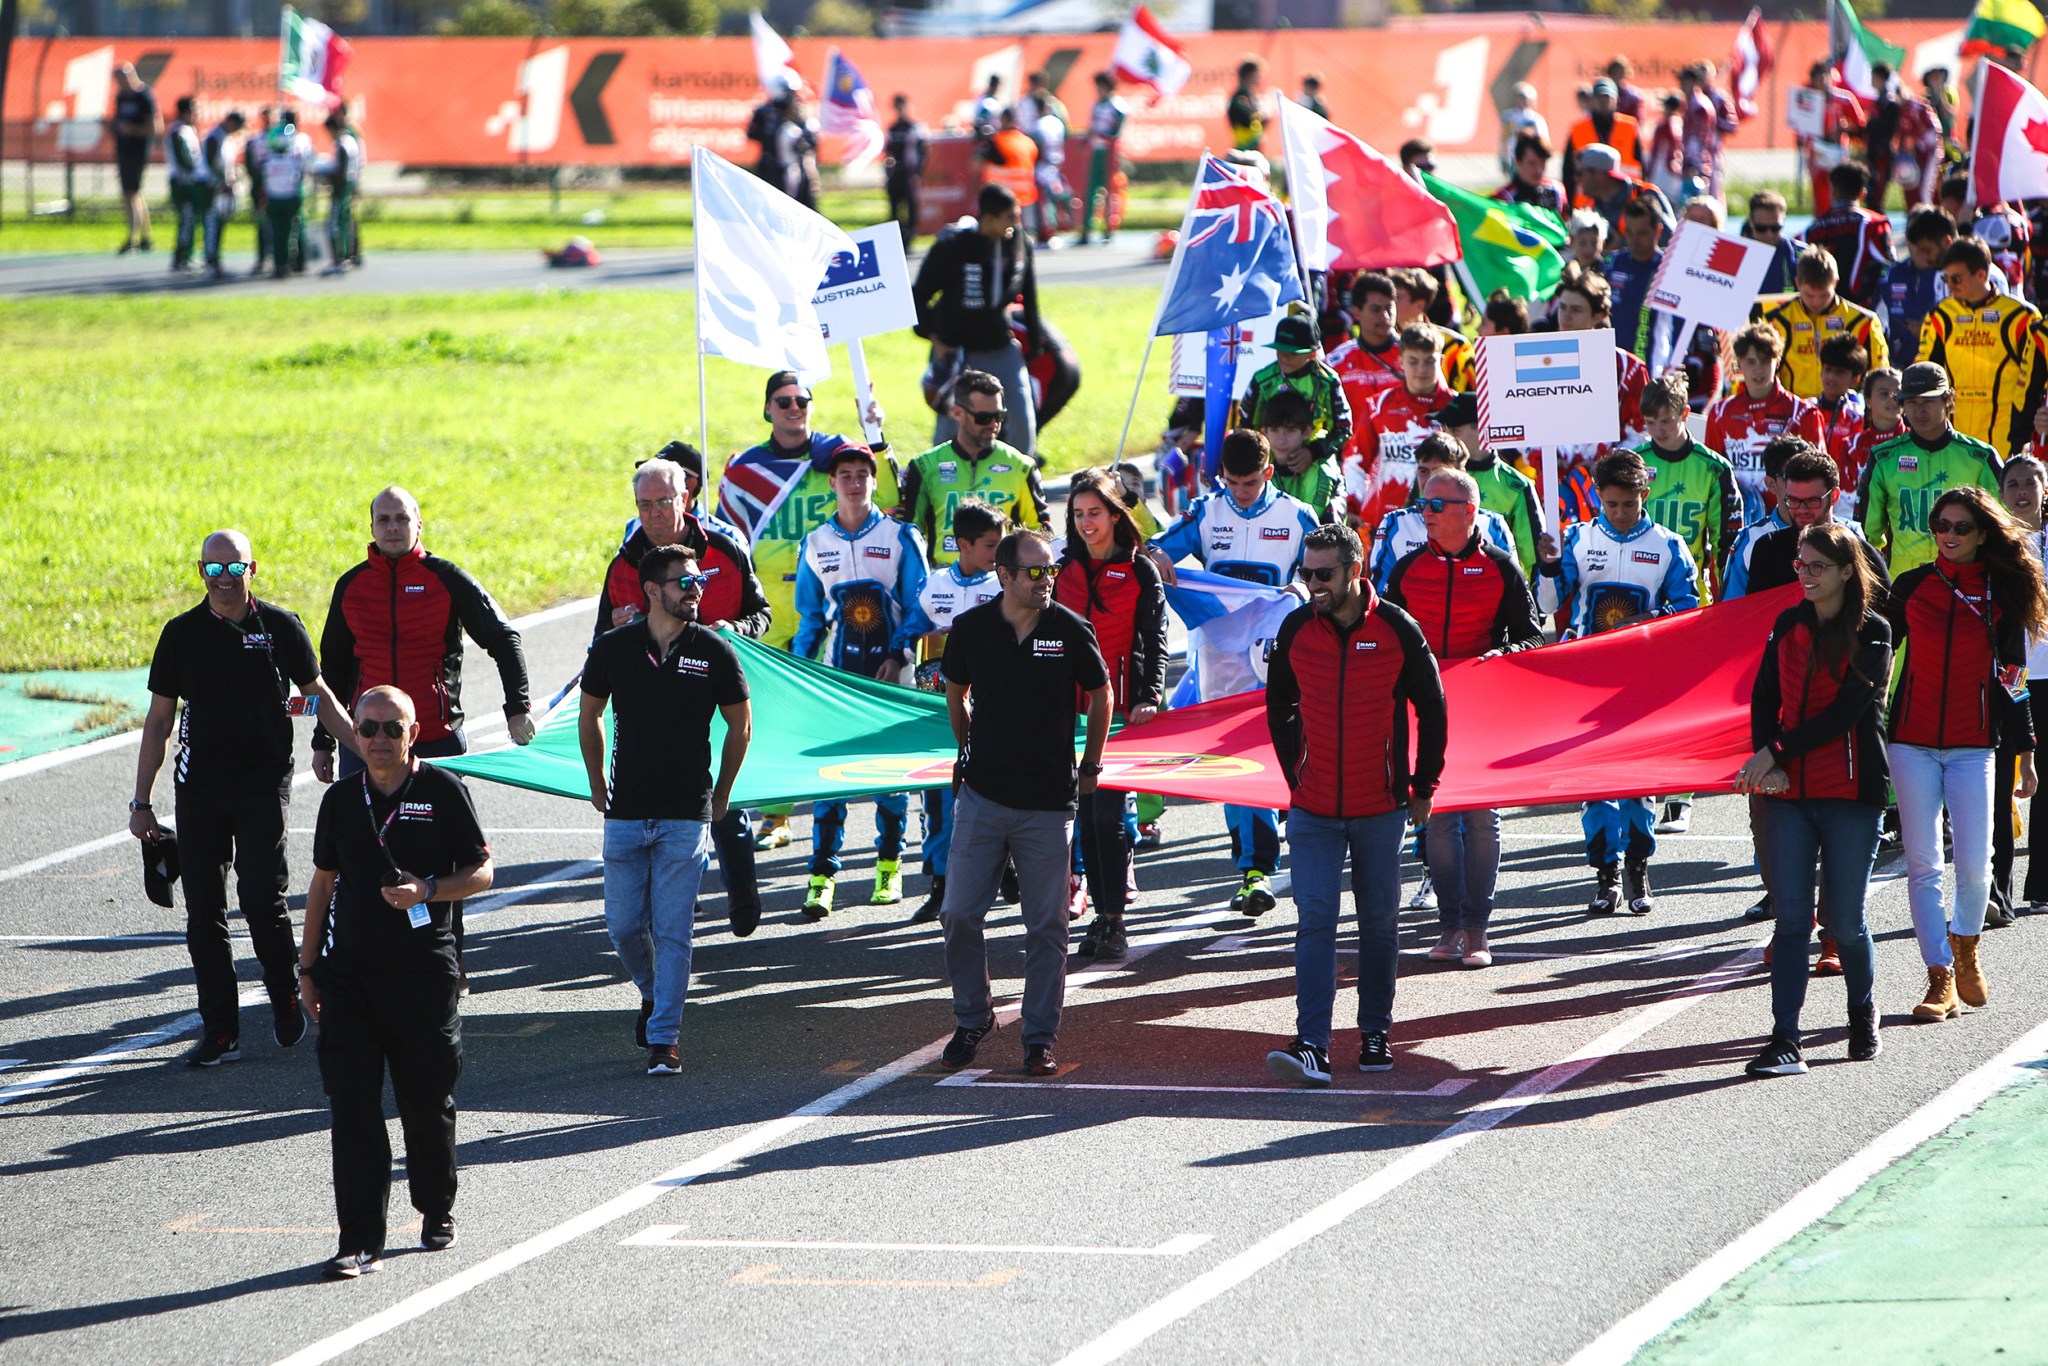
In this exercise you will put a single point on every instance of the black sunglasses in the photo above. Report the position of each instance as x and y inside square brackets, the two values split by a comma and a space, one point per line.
[799, 401]
[986, 419]
[1320, 575]
[393, 729]
[1942, 526]
[689, 583]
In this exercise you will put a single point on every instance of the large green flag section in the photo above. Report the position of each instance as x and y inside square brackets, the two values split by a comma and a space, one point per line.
[818, 733]
[1507, 246]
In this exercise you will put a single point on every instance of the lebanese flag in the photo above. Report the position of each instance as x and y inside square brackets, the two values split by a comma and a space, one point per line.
[1749, 63]
[310, 59]
[2011, 138]
[1146, 54]
[1353, 208]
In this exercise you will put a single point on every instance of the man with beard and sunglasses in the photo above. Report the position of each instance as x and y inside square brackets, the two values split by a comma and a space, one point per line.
[233, 660]
[664, 675]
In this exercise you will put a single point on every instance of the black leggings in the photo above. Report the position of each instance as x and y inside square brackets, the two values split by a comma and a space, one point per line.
[1105, 849]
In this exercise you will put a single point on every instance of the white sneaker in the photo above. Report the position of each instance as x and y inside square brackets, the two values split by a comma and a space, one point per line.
[1677, 818]
[1424, 898]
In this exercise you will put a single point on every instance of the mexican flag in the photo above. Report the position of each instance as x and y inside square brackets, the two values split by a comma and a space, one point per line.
[1999, 26]
[1857, 49]
[1146, 54]
[2011, 138]
[310, 59]
[1507, 246]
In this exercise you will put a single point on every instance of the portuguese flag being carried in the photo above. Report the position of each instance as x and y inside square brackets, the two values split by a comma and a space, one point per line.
[1507, 246]
[2001, 26]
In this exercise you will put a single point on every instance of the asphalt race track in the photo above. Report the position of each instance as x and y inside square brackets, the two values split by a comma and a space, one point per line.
[1565, 1134]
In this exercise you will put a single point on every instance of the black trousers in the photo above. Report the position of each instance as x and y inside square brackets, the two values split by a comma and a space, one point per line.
[903, 208]
[411, 1026]
[1105, 849]
[240, 825]
[733, 840]
[2002, 850]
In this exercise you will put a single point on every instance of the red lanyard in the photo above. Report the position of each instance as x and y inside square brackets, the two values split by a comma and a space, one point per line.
[396, 807]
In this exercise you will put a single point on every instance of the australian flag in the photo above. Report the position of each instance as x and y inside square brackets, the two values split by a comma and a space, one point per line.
[1236, 258]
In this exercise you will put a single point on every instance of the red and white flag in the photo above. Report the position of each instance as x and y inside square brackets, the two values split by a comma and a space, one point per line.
[1146, 54]
[1353, 208]
[1749, 63]
[2010, 139]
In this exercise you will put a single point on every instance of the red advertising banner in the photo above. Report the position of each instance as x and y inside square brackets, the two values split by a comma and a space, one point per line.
[647, 101]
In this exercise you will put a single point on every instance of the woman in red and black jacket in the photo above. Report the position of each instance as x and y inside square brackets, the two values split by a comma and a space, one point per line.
[1104, 580]
[1472, 602]
[1962, 623]
[1816, 716]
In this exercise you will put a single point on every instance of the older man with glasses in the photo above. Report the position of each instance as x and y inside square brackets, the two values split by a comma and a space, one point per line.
[233, 660]
[664, 676]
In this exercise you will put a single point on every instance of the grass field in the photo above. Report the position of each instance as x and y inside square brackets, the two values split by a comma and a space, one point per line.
[133, 426]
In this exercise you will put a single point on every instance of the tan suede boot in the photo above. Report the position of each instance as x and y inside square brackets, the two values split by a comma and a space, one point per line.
[1941, 1002]
[1969, 972]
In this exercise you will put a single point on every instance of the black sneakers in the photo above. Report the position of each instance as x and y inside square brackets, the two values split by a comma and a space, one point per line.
[1607, 894]
[1300, 1062]
[1863, 1041]
[745, 916]
[1105, 940]
[933, 904]
[1039, 1061]
[438, 1235]
[287, 1019]
[1780, 1058]
[663, 1060]
[640, 1025]
[960, 1049]
[215, 1049]
[1375, 1054]
[1760, 912]
[350, 1265]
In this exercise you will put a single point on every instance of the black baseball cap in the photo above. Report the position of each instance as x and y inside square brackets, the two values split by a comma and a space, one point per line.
[1294, 337]
[684, 454]
[780, 379]
[1461, 411]
[1924, 379]
[160, 868]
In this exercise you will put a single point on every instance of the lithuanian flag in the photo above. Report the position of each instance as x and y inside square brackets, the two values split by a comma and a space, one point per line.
[1506, 246]
[1998, 26]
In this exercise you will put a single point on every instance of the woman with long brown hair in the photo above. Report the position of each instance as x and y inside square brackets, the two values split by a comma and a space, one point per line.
[1962, 622]
[1104, 579]
[1817, 720]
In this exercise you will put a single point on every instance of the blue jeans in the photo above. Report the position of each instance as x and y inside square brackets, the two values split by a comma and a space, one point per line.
[651, 872]
[938, 829]
[1254, 838]
[1619, 826]
[1926, 780]
[1464, 861]
[1320, 845]
[828, 831]
[1840, 837]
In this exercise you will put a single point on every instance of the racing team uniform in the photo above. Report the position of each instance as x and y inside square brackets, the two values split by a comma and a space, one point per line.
[1606, 577]
[945, 595]
[1990, 353]
[1511, 495]
[1909, 294]
[1320, 485]
[1860, 240]
[1741, 425]
[854, 592]
[1330, 410]
[1403, 533]
[1259, 544]
[1905, 477]
[936, 482]
[1852, 458]
[220, 189]
[1380, 476]
[1692, 492]
[191, 187]
[1804, 331]
[1742, 555]
[1365, 374]
[1841, 422]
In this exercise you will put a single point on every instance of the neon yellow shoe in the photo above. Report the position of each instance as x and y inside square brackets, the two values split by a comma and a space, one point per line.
[888, 883]
[818, 900]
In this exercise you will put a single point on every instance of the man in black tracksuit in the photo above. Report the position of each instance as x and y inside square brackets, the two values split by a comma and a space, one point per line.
[393, 851]
[964, 290]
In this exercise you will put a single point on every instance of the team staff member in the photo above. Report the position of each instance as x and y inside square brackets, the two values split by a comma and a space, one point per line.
[252, 168]
[393, 853]
[1987, 342]
[1345, 674]
[233, 660]
[287, 155]
[964, 289]
[220, 189]
[1906, 475]
[1812, 491]
[397, 619]
[664, 675]
[665, 497]
[185, 169]
[1406, 530]
[1816, 315]
[1472, 602]
[1021, 660]
[972, 463]
[1819, 774]
[905, 148]
[136, 121]
[1963, 622]
[343, 247]
[1106, 581]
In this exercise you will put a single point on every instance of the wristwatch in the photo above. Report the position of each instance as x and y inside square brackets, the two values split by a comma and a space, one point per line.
[1090, 770]
[135, 806]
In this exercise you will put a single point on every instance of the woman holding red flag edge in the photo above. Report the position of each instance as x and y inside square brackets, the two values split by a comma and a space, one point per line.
[1817, 719]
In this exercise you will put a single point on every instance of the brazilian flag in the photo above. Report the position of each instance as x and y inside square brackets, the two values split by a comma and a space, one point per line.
[1506, 246]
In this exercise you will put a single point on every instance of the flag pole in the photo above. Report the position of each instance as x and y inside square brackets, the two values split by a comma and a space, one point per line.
[1976, 112]
[712, 470]
[1180, 245]
[1293, 220]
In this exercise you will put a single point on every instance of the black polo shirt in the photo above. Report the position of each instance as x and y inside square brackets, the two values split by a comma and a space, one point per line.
[661, 717]
[234, 678]
[429, 828]
[1020, 737]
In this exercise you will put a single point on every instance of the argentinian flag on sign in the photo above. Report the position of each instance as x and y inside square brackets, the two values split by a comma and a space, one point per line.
[1538, 359]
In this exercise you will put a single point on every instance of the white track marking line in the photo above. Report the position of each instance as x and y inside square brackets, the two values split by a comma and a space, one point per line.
[572, 872]
[664, 1235]
[76, 851]
[973, 1078]
[21, 768]
[1133, 1331]
[1621, 1342]
[639, 1197]
[113, 1053]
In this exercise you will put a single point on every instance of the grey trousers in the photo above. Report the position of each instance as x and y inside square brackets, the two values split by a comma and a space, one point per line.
[983, 832]
[1020, 426]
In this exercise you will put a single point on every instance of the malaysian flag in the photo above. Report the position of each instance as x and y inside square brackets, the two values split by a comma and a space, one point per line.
[850, 111]
[1236, 259]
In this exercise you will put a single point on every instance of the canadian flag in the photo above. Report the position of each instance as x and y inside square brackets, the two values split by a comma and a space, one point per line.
[2011, 138]
[1146, 54]
[1353, 208]
[1749, 63]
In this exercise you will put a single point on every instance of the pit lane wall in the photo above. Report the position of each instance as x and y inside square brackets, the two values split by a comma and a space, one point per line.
[645, 102]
